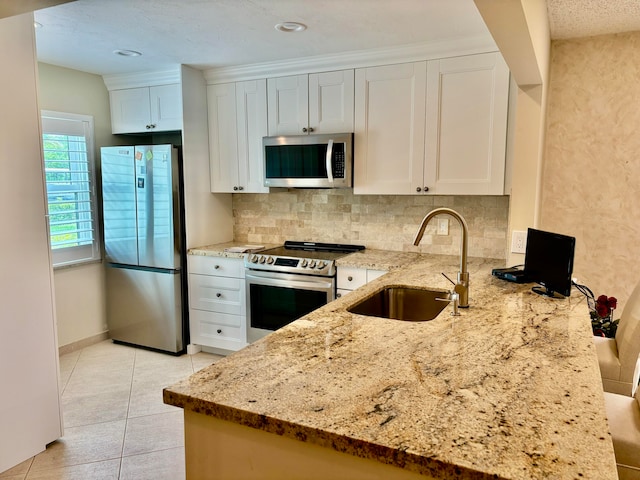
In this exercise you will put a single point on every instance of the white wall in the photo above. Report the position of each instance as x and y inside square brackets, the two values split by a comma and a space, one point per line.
[521, 31]
[80, 291]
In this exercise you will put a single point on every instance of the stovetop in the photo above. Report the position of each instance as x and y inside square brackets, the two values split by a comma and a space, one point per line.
[312, 258]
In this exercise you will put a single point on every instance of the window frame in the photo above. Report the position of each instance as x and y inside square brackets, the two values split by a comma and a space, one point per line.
[82, 254]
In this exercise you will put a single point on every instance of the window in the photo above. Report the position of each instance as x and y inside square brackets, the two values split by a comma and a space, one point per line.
[69, 167]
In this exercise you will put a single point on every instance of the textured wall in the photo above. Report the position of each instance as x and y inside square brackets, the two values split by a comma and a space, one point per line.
[377, 221]
[592, 170]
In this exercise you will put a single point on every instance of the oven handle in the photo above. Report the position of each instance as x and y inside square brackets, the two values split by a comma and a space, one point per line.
[304, 282]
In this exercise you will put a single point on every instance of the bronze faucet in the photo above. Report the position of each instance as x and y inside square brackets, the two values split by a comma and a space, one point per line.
[462, 285]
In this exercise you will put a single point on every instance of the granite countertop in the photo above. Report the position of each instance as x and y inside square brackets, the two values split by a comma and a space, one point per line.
[510, 389]
[220, 249]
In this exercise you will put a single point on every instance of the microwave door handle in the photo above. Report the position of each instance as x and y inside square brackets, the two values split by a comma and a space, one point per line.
[329, 155]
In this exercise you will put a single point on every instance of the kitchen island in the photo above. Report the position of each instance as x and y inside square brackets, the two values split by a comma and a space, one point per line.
[509, 389]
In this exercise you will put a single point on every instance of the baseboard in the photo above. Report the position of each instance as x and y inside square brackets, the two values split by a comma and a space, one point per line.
[85, 342]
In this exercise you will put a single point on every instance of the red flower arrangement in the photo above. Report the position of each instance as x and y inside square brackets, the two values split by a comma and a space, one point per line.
[605, 305]
[602, 317]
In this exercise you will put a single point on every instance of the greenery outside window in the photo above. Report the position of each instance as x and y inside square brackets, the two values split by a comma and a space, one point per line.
[69, 168]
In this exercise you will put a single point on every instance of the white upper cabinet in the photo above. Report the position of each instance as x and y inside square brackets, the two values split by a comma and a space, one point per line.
[467, 103]
[146, 109]
[389, 128]
[436, 127]
[314, 103]
[237, 123]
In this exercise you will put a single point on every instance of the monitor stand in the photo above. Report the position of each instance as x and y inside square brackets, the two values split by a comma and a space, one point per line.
[547, 293]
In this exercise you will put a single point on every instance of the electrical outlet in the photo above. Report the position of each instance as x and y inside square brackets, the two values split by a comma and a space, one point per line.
[518, 241]
[443, 226]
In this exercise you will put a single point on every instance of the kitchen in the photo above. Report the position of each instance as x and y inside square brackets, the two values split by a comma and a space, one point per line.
[605, 245]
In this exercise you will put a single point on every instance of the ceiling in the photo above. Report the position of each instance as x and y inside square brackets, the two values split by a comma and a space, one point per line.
[212, 33]
[209, 33]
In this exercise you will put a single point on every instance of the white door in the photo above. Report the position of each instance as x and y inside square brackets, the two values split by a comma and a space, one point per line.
[467, 99]
[288, 110]
[251, 110]
[130, 112]
[166, 107]
[30, 415]
[223, 137]
[331, 101]
[389, 128]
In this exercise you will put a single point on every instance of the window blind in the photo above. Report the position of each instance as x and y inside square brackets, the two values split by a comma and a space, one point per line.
[69, 168]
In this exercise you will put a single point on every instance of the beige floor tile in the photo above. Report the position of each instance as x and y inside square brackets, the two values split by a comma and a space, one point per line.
[160, 465]
[107, 470]
[154, 432]
[86, 444]
[88, 409]
[203, 359]
[99, 379]
[112, 404]
[162, 367]
[67, 364]
[146, 399]
[18, 471]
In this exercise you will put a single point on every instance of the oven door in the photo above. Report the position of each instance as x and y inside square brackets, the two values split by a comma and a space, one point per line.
[277, 299]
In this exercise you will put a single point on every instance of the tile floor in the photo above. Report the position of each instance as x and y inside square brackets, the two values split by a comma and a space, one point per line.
[115, 424]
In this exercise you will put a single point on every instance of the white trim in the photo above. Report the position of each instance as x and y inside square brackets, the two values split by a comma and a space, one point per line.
[354, 59]
[142, 79]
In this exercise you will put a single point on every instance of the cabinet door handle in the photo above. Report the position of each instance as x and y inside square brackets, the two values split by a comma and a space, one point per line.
[349, 278]
[241, 188]
[218, 295]
[304, 130]
[219, 331]
[216, 267]
[418, 189]
[235, 188]
[426, 189]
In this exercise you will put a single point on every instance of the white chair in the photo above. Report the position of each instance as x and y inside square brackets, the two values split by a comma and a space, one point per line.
[623, 413]
[618, 357]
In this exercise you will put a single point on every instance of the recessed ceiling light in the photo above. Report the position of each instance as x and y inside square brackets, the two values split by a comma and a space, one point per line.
[291, 27]
[127, 53]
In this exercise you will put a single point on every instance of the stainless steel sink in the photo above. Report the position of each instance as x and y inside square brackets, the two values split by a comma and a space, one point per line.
[403, 303]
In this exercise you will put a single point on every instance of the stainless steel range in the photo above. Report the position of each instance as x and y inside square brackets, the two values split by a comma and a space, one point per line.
[285, 283]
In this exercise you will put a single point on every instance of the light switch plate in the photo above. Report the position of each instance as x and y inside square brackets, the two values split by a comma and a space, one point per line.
[518, 241]
[443, 226]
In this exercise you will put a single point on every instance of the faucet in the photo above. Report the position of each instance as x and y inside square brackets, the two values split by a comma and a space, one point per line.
[462, 285]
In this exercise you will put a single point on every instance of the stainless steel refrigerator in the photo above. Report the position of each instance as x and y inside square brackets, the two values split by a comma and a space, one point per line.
[144, 238]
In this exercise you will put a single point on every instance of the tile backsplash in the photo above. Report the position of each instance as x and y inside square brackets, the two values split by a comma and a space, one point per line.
[387, 222]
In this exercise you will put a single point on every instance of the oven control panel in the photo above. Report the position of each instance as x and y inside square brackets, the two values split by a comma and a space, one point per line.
[290, 264]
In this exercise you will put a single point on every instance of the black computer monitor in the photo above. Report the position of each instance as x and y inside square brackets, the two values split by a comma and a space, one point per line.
[549, 262]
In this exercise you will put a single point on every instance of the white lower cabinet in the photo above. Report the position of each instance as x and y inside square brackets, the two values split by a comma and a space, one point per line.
[217, 302]
[351, 278]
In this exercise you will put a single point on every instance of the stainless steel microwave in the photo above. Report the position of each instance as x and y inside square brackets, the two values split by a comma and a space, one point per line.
[309, 161]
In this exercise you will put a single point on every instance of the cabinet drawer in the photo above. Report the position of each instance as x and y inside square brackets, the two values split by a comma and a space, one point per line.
[351, 278]
[217, 330]
[217, 294]
[219, 266]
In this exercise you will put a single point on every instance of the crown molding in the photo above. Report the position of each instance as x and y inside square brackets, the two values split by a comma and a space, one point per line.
[354, 59]
[142, 79]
